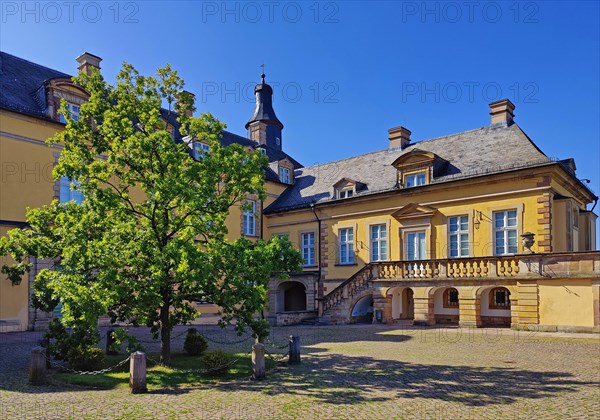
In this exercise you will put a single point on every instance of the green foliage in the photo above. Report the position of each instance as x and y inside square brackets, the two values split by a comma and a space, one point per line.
[77, 348]
[195, 344]
[150, 235]
[120, 336]
[216, 362]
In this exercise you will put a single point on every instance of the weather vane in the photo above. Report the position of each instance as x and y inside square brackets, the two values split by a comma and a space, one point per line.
[263, 73]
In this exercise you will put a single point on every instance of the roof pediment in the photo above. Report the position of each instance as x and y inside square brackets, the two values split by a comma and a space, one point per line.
[414, 211]
[415, 156]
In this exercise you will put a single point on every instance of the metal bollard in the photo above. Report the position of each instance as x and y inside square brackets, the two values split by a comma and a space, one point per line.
[294, 350]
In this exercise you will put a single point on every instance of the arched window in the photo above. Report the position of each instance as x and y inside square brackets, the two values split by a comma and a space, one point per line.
[499, 298]
[450, 298]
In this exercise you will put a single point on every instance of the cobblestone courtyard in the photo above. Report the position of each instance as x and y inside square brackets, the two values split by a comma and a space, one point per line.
[350, 372]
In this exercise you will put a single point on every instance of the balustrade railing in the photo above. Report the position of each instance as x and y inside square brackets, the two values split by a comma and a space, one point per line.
[572, 264]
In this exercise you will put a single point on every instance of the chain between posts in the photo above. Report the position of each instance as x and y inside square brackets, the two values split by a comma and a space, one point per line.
[202, 371]
[85, 372]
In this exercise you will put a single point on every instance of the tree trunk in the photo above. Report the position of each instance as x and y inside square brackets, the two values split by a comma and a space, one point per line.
[165, 337]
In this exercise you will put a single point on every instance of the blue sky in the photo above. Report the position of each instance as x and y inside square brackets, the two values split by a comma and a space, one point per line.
[345, 72]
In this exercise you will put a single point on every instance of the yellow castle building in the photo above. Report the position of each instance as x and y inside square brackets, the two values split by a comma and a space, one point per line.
[478, 228]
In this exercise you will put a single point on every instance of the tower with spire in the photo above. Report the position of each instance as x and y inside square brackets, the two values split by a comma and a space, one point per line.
[264, 127]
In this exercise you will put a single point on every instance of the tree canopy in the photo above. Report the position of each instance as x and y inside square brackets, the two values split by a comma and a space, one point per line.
[150, 236]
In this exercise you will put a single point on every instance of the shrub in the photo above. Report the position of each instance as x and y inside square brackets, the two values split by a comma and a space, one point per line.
[88, 359]
[216, 362]
[195, 343]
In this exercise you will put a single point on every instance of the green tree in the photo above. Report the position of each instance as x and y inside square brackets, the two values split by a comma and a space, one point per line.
[150, 235]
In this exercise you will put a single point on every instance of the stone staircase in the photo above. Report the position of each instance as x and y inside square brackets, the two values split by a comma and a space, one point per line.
[334, 308]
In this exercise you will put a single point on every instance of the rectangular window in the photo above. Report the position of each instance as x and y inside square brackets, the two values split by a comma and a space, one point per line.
[458, 240]
[505, 232]
[200, 149]
[346, 238]
[346, 193]
[67, 194]
[379, 243]
[284, 175]
[250, 220]
[414, 180]
[73, 111]
[415, 246]
[308, 248]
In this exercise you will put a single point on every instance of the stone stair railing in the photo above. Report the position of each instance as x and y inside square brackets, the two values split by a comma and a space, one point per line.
[355, 284]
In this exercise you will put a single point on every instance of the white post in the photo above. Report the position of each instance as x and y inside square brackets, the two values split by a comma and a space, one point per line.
[258, 361]
[137, 373]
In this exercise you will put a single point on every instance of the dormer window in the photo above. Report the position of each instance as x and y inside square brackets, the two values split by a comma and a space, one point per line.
[418, 167]
[263, 151]
[200, 149]
[415, 180]
[346, 193]
[73, 112]
[346, 188]
[284, 175]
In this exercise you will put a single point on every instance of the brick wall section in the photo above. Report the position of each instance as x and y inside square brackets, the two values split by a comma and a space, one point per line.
[544, 221]
[324, 253]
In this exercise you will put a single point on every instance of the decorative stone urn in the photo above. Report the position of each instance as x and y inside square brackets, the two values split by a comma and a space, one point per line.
[528, 241]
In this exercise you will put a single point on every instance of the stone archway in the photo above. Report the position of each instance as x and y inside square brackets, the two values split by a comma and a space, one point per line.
[446, 305]
[496, 306]
[402, 303]
[362, 310]
[291, 297]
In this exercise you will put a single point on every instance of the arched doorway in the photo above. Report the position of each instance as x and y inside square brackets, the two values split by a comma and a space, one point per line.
[403, 306]
[292, 297]
[495, 306]
[446, 305]
[362, 311]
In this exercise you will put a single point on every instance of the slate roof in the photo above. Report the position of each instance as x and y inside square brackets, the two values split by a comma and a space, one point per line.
[20, 81]
[482, 151]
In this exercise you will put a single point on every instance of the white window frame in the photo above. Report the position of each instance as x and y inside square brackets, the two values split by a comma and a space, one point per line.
[458, 234]
[66, 193]
[346, 247]
[250, 220]
[377, 240]
[417, 249]
[415, 180]
[346, 193]
[200, 149]
[307, 243]
[505, 229]
[284, 175]
[73, 112]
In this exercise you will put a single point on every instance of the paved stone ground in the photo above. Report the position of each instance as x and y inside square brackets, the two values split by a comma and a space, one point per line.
[350, 372]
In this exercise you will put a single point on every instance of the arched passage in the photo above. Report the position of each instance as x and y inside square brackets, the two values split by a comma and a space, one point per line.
[291, 297]
[446, 305]
[362, 311]
[495, 306]
[403, 306]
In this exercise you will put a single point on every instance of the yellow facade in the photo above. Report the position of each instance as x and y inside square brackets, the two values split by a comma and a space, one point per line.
[547, 198]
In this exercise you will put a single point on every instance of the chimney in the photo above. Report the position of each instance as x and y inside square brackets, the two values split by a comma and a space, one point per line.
[184, 95]
[87, 62]
[502, 112]
[399, 137]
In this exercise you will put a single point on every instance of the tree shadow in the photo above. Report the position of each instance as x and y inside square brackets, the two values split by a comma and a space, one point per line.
[338, 379]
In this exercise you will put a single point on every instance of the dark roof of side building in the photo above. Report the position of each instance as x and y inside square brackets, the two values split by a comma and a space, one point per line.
[20, 80]
[478, 152]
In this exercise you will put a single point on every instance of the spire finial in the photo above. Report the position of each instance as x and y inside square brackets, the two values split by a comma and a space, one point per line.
[262, 76]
